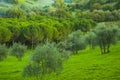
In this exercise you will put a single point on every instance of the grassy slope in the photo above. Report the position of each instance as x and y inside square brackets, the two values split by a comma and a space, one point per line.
[87, 65]
[91, 65]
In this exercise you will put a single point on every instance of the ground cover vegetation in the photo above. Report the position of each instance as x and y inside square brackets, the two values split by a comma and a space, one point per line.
[60, 40]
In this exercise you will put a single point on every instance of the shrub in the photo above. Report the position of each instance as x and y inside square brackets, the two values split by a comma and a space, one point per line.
[76, 41]
[3, 52]
[18, 50]
[45, 60]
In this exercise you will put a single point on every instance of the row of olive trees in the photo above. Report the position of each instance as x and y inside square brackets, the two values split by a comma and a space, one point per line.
[103, 36]
[17, 50]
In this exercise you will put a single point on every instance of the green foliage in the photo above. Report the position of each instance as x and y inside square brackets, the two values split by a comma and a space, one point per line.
[59, 3]
[47, 59]
[92, 2]
[96, 6]
[31, 70]
[106, 35]
[2, 11]
[18, 50]
[65, 54]
[101, 16]
[86, 62]
[61, 13]
[3, 52]
[117, 6]
[84, 24]
[108, 7]
[47, 31]
[91, 39]
[5, 35]
[14, 1]
[76, 41]
[15, 32]
[33, 33]
[15, 13]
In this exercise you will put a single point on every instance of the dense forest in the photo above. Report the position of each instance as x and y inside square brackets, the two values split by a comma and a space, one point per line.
[52, 31]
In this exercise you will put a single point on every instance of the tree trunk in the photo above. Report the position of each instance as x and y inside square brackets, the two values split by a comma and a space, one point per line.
[104, 48]
[76, 52]
[108, 48]
[32, 43]
[101, 48]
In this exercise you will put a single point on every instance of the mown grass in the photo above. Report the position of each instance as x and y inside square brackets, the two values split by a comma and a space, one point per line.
[87, 65]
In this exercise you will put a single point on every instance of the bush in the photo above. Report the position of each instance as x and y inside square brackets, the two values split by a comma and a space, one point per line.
[18, 50]
[65, 54]
[3, 52]
[31, 70]
[47, 59]
[76, 41]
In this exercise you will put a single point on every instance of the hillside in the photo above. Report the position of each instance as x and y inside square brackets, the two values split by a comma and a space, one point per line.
[29, 3]
[87, 65]
[59, 39]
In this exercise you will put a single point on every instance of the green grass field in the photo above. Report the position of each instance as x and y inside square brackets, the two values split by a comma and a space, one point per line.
[87, 65]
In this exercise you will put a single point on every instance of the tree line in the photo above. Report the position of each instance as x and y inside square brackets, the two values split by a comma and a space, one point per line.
[33, 31]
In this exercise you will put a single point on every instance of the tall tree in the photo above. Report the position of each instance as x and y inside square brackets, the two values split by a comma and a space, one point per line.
[33, 34]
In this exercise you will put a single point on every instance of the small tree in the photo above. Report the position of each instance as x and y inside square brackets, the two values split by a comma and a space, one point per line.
[45, 60]
[18, 50]
[91, 39]
[3, 52]
[106, 35]
[65, 54]
[76, 41]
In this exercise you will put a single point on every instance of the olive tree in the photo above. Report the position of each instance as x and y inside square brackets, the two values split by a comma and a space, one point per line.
[3, 52]
[45, 60]
[18, 50]
[106, 35]
[91, 39]
[76, 41]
